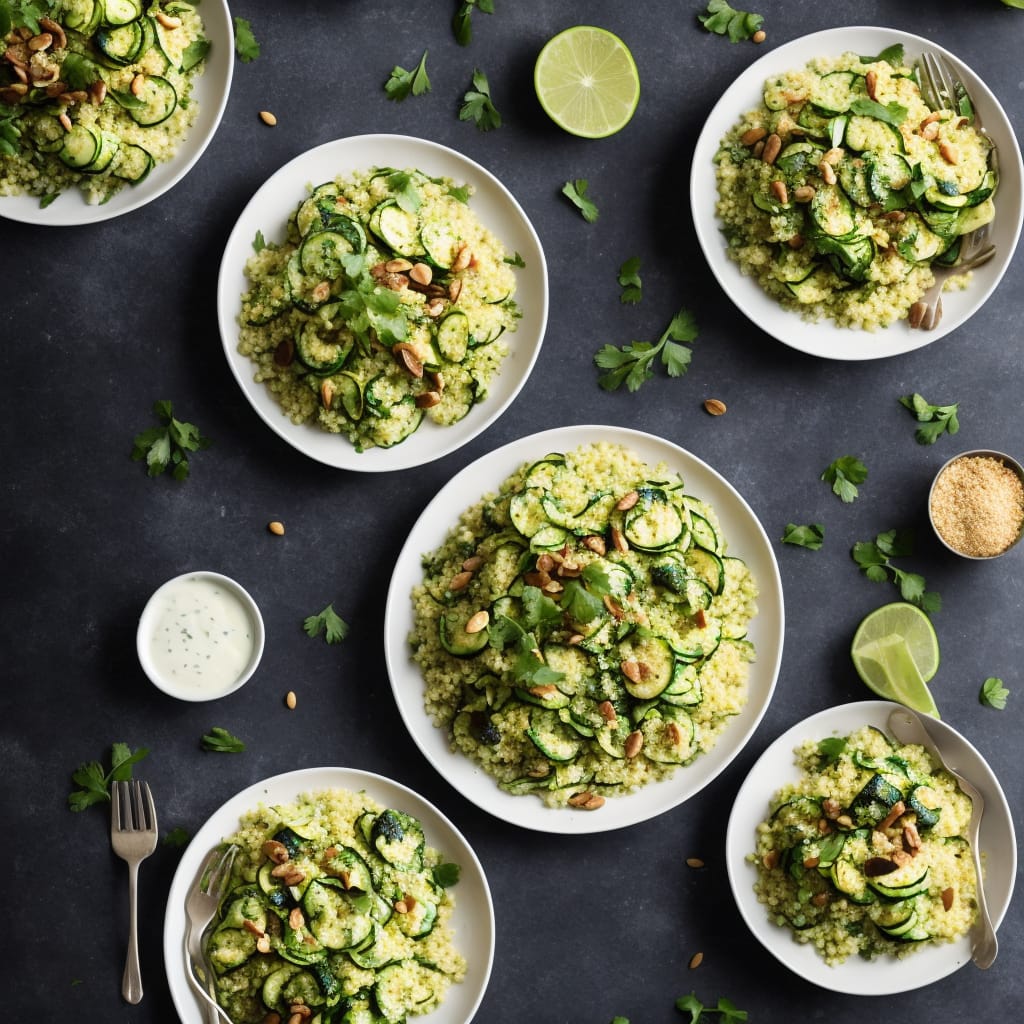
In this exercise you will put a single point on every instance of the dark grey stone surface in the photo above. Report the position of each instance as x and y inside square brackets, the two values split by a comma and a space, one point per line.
[98, 322]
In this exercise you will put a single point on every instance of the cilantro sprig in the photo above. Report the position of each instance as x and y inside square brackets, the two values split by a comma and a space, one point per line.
[725, 20]
[844, 474]
[936, 420]
[728, 1012]
[404, 83]
[993, 694]
[874, 558]
[328, 622]
[366, 305]
[246, 46]
[462, 23]
[811, 536]
[891, 113]
[576, 192]
[477, 105]
[167, 445]
[633, 363]
[221, 741]
[15, 13]
[94, 782]
[629, 281]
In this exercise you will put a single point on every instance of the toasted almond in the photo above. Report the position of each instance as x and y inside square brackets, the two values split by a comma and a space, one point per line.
[321, 292]
[427, 399]
[607, 712]
[779, 190]
[759, 36]
[875, 867]
[294, 877]
[421, 273]
[947, 898]
[276, 527]
[915, 317]
[435, 308]
[167, 20]
[700, 620]
[752, 135]
[462, 258]
[43, 41]
[828, 172]
[819, 899]
[613, 606]
[268, 118]
[252, 927]
[398, 266]
[772, 146]
[949, 152]
[586, 801]
[460, 581]
[803, 194]
[930, 131]
[473, 563]
[137, 85]
[631, 670]
[65, 122]
[830, 808]
[405, 356]
[401, 907]
[594, 543]
[619, 541]
[455, 290]
[696, 960]
[694, 862]
[290, 700]
[811, 862]
[543, 690]
[771, 859]
[871, 84]
[627, 501]
[545, 563]
[844, 821]
[634, 741]
[894, 812]
[834, 156]
[935, 115]
[714, 406]
[263, 944]
[295, 919]
[478, 622]
[326, 393]
[675, 734]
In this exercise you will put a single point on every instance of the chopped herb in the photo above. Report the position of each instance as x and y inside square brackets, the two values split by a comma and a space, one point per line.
[477, 105]
[460, 192]
[14, 13]
[221, 741]
[334, 628]
[577, 193]
[696, 1009]
[462, 25]
[579, 603]
[407, 195]
[1019, 4]
[891, 55]
[632, 363]
[168, 444]
[937, 419]
[724, 20]
[10, 133]
[993, 694]
[528, 668]
[874, 559]
[811, 536]
[403, 83]
[259, 243]
[95, 783]
[176, 837]
[831, 748]
[126, 99]
[79, 71]
[629, 280]
[890, 113]
[844, 474]
[245, 42]
[515, 261]
[196, 52]
[367, 307]
[47, 200]
[446, 875]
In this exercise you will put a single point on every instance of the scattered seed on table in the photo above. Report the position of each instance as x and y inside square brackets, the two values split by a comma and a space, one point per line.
[268, 118]
[276, 528]
[290, 700]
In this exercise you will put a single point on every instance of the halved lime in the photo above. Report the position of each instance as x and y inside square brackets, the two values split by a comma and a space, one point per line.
[895, 651]
[587, 82]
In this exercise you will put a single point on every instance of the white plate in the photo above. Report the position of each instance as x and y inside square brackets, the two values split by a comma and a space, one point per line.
[472, 921]
[884, 975]
[498, 211]
[824, 338]
[746, 539]
[210, 91]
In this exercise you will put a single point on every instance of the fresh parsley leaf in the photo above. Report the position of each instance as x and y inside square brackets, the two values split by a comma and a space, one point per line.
[620, 1020]
[221, 741]
[366, 305]
[515, 261]
[891, 55]
[891, 113]
[403, 83]
[460, 192]
[168, 445]
[577, 193]
[14, 13]
[408, 196]
[724, 20]
[936, 419]
[48, 199]
[1019, 4]
[728, 1012]
[629, 280]
[196, 52]
[94, 783]
[811, 536]
[844, 474]
[334, 628]
[873, 558]
[831, 748]
[259, 243]
[245, 42]
[633, 363]
[446, 875]
[176, 837]
[462, 25]
[477, 105]
[126, 99]
[597, 579]
[993, 694]
[539, 610]
[581, 605]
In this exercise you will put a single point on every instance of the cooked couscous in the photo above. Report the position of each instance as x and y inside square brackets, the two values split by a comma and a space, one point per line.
[843, 189]
[95, 94]
[337, 905]
[583, 632]
[867, 853]
[387, 302]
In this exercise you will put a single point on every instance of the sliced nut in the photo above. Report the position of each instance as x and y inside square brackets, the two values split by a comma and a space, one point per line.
[607, 712]
[460, 581]
[824, 826]
[779, 190]
[43, 41]
[830, 808]
[844, 821]
[284, 354]
[168, 20]
[871, 84]
[65, 122]
[463, 258]
[834, 156]
[828, 172]
[545, 563]
[478, 621]
[631, 670]
[326, 393]
[714, 406]
[401, 907]
[553, 587]
[819, 899]
[935, 115]
[473, 563]
[613, 607]
[427, 400]
[911, 838]
[696, 960]
[675, 734]
[894, 812]
[772, 146]
[276, 851]
[60, 40]
[455, 290]
[759, 36]
[543, 690]
[634, 741]
[947, 898]
[252, 927]
[700, 620]
[594, 543]
[694, 862]
[538, 771]
[54, 89]
[803, 194]
[771, 859]
[586, 801]
[619, 542]
[438, 378]
[627, 501]
[290, 700]
[896, 216]
[795, 241]
[321, 292]
[434, 309]
[949, 152]
[137, 85]
[268, 118]
[406, 357]
[752, 135]
[930, 132]
[398, 266]
[758, 149]
[294, 877]
[421, 274]
[295, 919]
[276, 527]
[811, 862]
[263, 946]
[98, 92]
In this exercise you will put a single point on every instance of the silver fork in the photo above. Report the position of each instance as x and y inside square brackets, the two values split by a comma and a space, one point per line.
[133, 837]
[203, 900]
[942, 89]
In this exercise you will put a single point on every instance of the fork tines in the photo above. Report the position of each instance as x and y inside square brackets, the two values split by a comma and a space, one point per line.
[132, 808]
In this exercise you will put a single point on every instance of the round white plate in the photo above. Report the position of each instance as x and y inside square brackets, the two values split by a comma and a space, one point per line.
[210, 92]
[498, 211]
[884, 975]
[472, 921]
[824, 338]
[746, 539]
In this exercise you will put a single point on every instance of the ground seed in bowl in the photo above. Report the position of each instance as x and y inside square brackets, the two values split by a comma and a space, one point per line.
[977, 506]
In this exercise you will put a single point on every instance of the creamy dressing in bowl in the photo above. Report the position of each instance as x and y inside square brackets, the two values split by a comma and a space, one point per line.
[200, 636]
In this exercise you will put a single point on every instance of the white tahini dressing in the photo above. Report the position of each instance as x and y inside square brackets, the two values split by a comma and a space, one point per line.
[202, 637]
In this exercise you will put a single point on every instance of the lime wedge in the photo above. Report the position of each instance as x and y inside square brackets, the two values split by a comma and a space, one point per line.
[895, 652]
[587, 82]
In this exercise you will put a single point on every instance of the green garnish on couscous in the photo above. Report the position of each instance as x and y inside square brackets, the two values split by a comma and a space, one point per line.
[338, 905]
[387, 303]
[843, 190]
[94, 94]
[583, 632]
[867, 853]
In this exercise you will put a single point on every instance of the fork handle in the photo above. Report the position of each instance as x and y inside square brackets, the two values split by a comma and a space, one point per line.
[131, 982]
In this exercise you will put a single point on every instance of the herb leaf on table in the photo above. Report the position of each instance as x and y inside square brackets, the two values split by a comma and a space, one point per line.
[633, 363]
[403, 83]
[477, 105]
[629, 280]
[874, 558]
[221, 741]
[728, 1012]
[576, 191]
[246, 46]
[936, 419]
[993, 694]
[811, 536]
[725, 20]
[94, 783]
[462, 24]
[844, 474]
[168, 445]
[328, 622]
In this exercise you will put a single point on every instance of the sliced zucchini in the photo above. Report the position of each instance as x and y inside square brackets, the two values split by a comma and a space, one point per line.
[646, 662]
[159, 100]
[453, 336]
[551, 737]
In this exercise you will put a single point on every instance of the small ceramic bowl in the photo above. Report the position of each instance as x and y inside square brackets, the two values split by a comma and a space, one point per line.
[970, 523]
[200, 636]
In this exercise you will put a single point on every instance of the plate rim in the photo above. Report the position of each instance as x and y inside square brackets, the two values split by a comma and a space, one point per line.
[787, 326]
[435, 442]
[213, 831]
[759, 785]
[498, 464]
[165, 176]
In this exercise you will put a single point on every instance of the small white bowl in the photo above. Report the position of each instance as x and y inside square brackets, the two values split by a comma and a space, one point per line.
[975, 453]
[212, 636]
